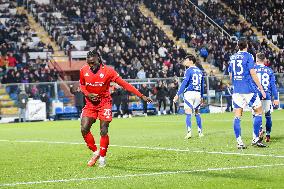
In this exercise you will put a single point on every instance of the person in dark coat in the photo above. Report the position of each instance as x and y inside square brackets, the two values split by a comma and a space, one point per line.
[116, 98]
[79, 98]
[228, 95]
[145, 91]
[162, 93]
[172, 93]
[22, 103]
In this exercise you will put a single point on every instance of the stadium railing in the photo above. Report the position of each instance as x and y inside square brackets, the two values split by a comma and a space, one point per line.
[59, 95]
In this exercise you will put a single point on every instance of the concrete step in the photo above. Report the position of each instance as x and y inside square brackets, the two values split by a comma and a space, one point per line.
[2, 91]
[9, 111]
[7, 103]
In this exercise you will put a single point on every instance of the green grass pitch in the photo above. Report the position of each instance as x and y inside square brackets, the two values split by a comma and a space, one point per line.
[145, 153]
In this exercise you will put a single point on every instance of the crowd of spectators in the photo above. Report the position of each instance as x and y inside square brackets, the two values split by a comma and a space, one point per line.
[17, 39]
[127, 40]
[188, 23]
[266, 16]
[238, 28]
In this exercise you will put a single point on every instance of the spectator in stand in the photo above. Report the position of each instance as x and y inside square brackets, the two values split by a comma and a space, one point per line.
[79, 98]
[146, 92]
[228, 95]
[161, 95]
[116, 98]
[172, 93]
[141, 74]
[22, 103]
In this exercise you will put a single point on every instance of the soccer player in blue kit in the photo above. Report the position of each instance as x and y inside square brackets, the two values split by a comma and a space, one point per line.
[244, 79]
[267, 80]
[192, 87]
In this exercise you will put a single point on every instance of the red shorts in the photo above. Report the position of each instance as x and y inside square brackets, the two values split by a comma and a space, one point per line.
[101, 111]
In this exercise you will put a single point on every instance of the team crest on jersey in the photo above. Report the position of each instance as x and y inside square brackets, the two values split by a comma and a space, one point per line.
[87, 74]
[102, 75]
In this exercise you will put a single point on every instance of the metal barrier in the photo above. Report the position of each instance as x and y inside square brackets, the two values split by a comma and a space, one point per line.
[60, 92]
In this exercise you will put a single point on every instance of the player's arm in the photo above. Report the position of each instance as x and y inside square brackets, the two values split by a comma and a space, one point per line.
[256, 81]
[274, 90]
[127, 86]
[254, 76]
[183, 85]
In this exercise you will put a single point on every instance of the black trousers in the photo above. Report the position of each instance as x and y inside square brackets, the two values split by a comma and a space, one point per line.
[160, 101]
[145, 109]
[173, 106]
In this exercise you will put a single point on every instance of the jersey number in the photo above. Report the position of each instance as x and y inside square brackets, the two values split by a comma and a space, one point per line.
[264, 80]
[196, 81]
[239, 65]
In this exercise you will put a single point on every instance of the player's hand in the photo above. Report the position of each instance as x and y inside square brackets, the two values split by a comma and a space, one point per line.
[175, 99]
[263, 94]
[146, 99]
[93, 97]
[276, 102]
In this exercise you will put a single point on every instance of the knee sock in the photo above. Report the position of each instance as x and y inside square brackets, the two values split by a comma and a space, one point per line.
[104, 142]
[199, 122]
[90, 141]
[268, 124]
[237, 129]
[257, 125]
[188, 122]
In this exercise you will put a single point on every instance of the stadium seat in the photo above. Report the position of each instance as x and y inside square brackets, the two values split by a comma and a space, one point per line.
[69, 109]
[58, 110]
[61, 94]
[14, 96]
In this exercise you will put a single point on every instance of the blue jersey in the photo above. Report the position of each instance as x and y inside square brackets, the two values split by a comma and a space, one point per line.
[193, 81]
[240, 65]
[267, 80]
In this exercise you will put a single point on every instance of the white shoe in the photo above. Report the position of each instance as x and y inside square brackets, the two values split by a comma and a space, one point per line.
[119, 116]
[188, 135]
[125, 116]
[129, 116]
[200, 134]
[102, 162]
[145, 114]
[165, 112]
[159, 113]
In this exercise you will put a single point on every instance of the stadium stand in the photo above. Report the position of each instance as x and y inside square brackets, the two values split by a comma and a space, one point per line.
[188, 23]
[264, 15]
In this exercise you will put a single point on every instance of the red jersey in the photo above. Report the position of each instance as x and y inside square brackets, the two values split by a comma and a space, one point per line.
[99, 83]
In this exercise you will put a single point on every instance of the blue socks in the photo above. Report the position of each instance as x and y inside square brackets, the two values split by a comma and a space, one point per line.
[237, 127]
[257, 124]
[188, 122]
[199, 123]
[268, 123]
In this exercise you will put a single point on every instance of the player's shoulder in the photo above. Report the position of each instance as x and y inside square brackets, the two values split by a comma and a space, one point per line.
[84, 67]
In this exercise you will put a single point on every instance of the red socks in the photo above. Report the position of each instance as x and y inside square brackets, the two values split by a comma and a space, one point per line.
[104, 145]
[104, 142]
[89, 139]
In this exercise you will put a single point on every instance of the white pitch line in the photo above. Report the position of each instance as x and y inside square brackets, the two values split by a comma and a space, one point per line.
[150, 148]
[139, 175]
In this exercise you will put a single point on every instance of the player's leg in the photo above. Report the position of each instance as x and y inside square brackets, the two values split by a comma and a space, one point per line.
[188, 107]
[257, 122]
[86, 124]
[198, 122]
[104, 142]
[267, 109]
[238, 109]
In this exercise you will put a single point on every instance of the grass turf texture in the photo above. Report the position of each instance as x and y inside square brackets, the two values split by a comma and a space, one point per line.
[28, 162]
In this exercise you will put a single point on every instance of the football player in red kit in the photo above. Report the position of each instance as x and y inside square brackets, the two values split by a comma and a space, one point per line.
[95, 79]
